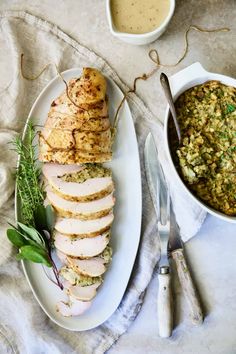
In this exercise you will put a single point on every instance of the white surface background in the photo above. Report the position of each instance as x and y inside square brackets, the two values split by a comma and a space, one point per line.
[212, 252]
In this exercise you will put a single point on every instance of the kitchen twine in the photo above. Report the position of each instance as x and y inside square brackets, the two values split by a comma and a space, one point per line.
[153, 55]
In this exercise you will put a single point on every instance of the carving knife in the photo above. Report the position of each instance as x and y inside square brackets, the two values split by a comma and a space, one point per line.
[175, 248]
[161, 201]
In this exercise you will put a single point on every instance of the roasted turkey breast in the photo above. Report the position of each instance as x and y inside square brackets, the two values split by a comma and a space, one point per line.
[77, 129]
[74, 141]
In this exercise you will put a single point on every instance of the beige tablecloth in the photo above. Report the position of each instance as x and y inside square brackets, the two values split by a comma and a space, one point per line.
[24, 327]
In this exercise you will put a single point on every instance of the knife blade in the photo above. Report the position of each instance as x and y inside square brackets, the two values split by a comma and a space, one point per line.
[176, 250]
[161, 201]
[155, 177]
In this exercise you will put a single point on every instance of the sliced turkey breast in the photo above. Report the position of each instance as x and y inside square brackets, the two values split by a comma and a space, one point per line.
[83, 293]
[58, 139]
[84, 228]
[90, 88]
[63, 106]
[79, 286]
[78, 121]
[70, 156]
[68, 274]
[70, 122]
[81, 210]
[73, 307]
[63, 257]
[92, 157]
[93, 267]
[94, 141]
[97, 142]
[56, 170]
[81, 247]
[91, 189]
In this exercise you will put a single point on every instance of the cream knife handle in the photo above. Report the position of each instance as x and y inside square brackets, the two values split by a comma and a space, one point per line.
[164, 304]
[188, 286]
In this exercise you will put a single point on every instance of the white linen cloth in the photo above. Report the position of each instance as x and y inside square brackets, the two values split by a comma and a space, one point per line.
[24, 328]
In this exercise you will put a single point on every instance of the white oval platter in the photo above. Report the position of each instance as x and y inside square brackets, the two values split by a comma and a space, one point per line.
[127, 224]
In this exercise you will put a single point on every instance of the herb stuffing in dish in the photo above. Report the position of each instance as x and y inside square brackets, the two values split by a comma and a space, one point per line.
[207, 156]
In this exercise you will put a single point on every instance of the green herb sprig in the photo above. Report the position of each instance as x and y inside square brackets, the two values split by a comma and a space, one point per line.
[29, 187]
[32, 236]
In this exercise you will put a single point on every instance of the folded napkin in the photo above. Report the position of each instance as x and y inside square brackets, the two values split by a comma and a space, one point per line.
[24, 327]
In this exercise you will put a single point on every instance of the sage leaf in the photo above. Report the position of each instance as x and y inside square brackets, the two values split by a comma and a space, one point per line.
[40, 218]
[28, 240]
[50, 216]
[45, 218]
[32, 233]
[34, 254]
[16, 238]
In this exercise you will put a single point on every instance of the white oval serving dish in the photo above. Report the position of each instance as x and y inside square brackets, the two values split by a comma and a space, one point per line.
[143, 38]
[191, 76]
[127, 224]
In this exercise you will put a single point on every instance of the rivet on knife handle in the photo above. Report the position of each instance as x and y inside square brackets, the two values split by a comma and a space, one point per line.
[188, 286]
[164, 303]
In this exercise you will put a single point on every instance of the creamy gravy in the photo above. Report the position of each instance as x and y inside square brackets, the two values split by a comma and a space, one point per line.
[139, 16]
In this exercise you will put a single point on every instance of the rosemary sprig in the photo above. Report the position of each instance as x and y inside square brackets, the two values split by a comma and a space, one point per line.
[32, 236]
[29, 187]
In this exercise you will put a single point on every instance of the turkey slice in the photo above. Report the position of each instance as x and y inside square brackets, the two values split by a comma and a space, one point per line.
[62, 256]
[91, 189]
[81, 247]
[67, 121]
[56, 170]
[96, 141]
[64, 106]
[93, 267]
[83, 293]
[59, 139]
[70, 156]
[73, 307]
[84, 228]
[86, 210]
[84, 156]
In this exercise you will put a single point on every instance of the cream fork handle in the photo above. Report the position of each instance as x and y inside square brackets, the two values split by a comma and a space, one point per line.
[188, 286]
[164, 304]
